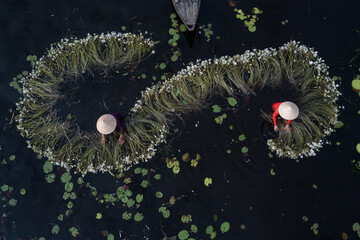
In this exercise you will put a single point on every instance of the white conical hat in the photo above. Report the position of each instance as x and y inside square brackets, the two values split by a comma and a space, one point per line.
[288, 110]
[106, 124]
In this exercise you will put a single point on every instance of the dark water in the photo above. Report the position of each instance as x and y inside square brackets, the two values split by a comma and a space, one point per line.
[243, 190]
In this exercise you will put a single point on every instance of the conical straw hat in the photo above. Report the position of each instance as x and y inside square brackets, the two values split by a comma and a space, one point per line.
[288, 110]
[106, 124]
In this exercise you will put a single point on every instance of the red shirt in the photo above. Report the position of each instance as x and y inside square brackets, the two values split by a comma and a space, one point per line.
[275, 107]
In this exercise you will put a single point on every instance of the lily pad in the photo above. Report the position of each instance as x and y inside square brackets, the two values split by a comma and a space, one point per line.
[157, 176]
[162, 66]
[356, 227]
[159, 194]
[138, 217]
[194, 228]
[242, 137]
[209, 229]
[339, 124]
[66, 177]
[232, 101]
[110, 237]
[98, 215]
[183, 234]
[182, 27]
[55, 229]
[176, 169]
[139, 198]
[356, 84]
[48, 167]
[207, 181]
[144, 183]
[69, 186]
[216, 108]
[252, 28]
[358, 147]
[244, 149]
[225, 226]
[126, 216]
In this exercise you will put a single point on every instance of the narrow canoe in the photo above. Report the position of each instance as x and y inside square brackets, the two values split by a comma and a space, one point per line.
[188, 11]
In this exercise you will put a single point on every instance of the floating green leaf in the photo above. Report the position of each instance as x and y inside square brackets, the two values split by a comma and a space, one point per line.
[70, 204]
[162, 66]
[244, 149]
[339, 124]
[232, 101]
[183, 234]
[228, 151]
[194, 228]
[22, 191]
[358, 147]
[173, 15]
[12, 202]
[139, 198]
[182, 27]
[209, 229]
[69, 186]
[216, 108]
[138, 217]
[128, 192]
[252, 28]
[55, 229]
[159, 194]
[126, 216]
[137, 170]
[144, 183]
[48, 167]
[4, 187]
[110, 237]
[157, 176]
[176, 36]
[356, 227]
[174, 58]
[80, 180]
[12, 158]
[66, 177]
[98, 215]
[225, 226]
[144, 171]
[242, 137]
[356, 84]
[74, 231]
[272, 172]
[207, 181]
[73, 195]
[50, 178]
[66, 195]
[176, 169]
[130, 203]
[172, 31]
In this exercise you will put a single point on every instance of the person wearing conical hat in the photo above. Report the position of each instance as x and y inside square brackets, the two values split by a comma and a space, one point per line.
[107, 123]
[286, 110]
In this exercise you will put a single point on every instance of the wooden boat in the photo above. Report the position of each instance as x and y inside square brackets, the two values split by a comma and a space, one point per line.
[188, 11]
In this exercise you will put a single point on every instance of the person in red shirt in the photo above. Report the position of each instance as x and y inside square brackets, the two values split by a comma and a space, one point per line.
[107, 123]
[286, 110]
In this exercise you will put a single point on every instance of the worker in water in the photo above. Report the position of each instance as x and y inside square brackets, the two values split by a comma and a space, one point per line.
[287, 110]
[107, 123]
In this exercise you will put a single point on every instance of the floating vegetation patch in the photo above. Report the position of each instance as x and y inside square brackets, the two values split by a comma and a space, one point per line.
[62, 142]
[160, 104]
[249, 19]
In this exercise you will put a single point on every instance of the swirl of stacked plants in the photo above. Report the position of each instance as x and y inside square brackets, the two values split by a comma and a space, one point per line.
[64, 144]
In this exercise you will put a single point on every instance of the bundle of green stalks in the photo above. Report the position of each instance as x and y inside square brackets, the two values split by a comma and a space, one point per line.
[188, 90]
[62, 141]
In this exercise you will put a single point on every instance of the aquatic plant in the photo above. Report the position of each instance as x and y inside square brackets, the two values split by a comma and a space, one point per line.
[62, 142]
[148, 124]
[249, 19]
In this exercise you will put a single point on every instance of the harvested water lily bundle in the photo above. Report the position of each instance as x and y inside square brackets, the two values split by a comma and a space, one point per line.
[188, 90]
[293, 64]
[62, 141]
